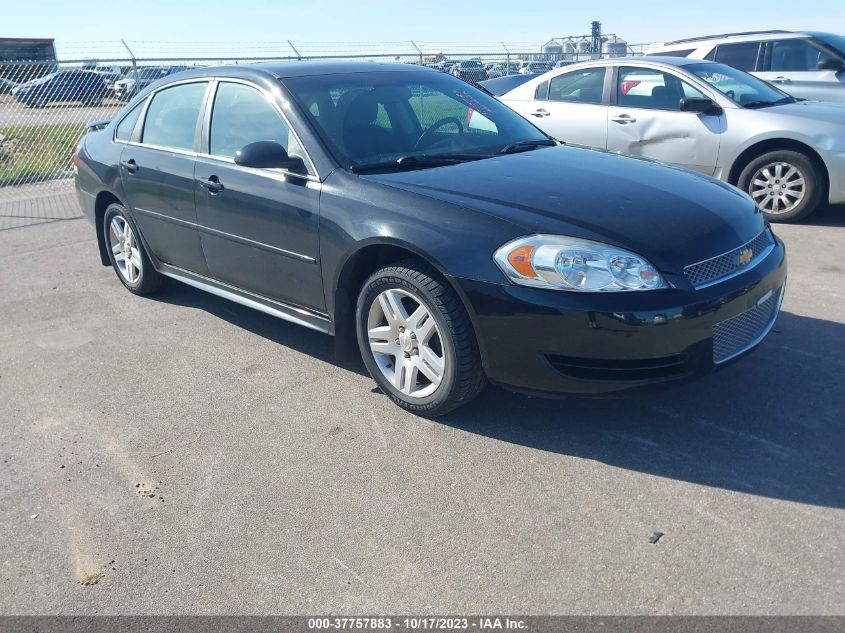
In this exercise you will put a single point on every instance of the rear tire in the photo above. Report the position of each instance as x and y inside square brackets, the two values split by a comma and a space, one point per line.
[417, 341]
[127, 254]
[786, 185]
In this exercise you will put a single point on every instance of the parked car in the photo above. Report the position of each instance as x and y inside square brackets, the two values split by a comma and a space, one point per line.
[351, 198]
[501, 69]
[6, 86]
[125, 88]
[805, 64]
[534, 68]
[471, 70]
[502, 85]
[788, 155]
[84, 86]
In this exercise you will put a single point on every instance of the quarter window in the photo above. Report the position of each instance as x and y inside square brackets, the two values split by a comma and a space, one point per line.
[171, 119]
[127, 125]
[742, 56]
[542, 91]
[582, 86]
[242, 115]
[652, 89]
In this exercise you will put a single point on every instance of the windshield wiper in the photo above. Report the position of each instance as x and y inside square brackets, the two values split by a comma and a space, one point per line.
[521, 146]
[765, 104]
[417, 162]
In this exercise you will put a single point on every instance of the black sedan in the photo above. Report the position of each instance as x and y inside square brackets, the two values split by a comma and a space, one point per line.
[402, 208]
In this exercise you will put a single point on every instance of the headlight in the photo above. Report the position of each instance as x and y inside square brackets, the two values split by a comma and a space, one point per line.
[570, 263]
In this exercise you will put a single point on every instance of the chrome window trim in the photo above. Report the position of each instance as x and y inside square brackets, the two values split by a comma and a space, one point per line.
[277, 174]
[143, 115]
[212, 87]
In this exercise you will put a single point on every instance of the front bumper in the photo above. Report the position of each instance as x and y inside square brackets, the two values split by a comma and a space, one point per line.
[557, 342]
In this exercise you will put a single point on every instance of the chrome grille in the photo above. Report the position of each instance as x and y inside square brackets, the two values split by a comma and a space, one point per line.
[742, 332]
[720, 266]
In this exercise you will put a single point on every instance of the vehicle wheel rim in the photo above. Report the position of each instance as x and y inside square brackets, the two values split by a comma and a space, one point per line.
[406, 343]
[778, 188]
[124, 247]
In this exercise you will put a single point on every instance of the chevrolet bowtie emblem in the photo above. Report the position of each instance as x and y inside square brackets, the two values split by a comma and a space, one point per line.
[745, 256]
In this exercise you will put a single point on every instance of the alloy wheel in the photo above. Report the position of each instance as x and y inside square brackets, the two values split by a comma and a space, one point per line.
[406, 343]
[125, 249]
[778, 187]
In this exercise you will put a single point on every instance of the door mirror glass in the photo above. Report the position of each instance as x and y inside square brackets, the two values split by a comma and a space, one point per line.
[701, 105]
[267, 155]
[828, 63]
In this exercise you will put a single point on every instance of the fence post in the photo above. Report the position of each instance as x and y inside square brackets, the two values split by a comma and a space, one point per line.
[134, 65]
[507, 58]
[418, 50]
[296, 52]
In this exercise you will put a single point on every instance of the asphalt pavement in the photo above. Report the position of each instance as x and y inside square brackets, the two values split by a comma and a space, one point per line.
[184, 455]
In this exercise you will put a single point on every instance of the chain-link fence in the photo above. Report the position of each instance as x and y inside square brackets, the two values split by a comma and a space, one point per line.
[45, 107]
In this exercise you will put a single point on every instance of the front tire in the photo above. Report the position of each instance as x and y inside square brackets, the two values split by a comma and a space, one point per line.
[786, 185]
[127, 254]
[417, 341]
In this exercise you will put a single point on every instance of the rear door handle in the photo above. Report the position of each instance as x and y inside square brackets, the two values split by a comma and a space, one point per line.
[129, 165]
[212, 183]
[540, 112]
[781, 80]
[624, 119]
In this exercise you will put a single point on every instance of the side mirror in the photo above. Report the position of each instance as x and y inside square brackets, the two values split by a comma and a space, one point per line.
[829, 63]
[266, 155]
[701, 105]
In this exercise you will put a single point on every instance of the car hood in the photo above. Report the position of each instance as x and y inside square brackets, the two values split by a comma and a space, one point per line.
[671, 216]
[814, 110]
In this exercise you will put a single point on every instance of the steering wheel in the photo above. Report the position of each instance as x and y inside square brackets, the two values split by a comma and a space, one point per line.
[446, 120]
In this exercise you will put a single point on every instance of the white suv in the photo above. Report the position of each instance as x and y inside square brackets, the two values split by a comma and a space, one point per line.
[805, 64]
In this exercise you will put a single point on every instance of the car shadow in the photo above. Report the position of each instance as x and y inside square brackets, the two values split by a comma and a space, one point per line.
[770, 424]
[296, 337]
[826, 215]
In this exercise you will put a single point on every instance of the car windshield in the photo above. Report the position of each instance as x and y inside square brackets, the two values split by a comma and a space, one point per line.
[740, 87]
[409, 119]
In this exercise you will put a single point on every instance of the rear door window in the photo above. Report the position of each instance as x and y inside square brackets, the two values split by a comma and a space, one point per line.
[742, 56]
[171, 119]
[582, 86]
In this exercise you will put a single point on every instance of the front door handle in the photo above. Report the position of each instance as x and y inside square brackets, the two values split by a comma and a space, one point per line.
[129, 165]
[624, 119]
[540, 112]
[212, 183]
[781, 80]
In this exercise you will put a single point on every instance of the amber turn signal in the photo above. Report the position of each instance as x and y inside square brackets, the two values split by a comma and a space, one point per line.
[520, 259]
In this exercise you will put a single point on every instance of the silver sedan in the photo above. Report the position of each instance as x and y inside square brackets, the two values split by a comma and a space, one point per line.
[787, 154]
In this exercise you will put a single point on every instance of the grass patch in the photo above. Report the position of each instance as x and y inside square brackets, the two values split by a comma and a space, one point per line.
[29, 153]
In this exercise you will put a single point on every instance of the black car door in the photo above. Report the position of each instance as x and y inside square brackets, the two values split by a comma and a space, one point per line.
[258, 226]
[157, 172]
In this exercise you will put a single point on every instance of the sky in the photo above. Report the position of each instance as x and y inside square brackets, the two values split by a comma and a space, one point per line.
[211, 27]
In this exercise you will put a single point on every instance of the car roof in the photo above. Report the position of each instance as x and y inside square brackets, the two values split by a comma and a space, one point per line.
[747, 36]
[282, 70]
[633, 60]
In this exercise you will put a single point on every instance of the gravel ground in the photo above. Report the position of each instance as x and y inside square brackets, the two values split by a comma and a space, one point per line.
[184, 455]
